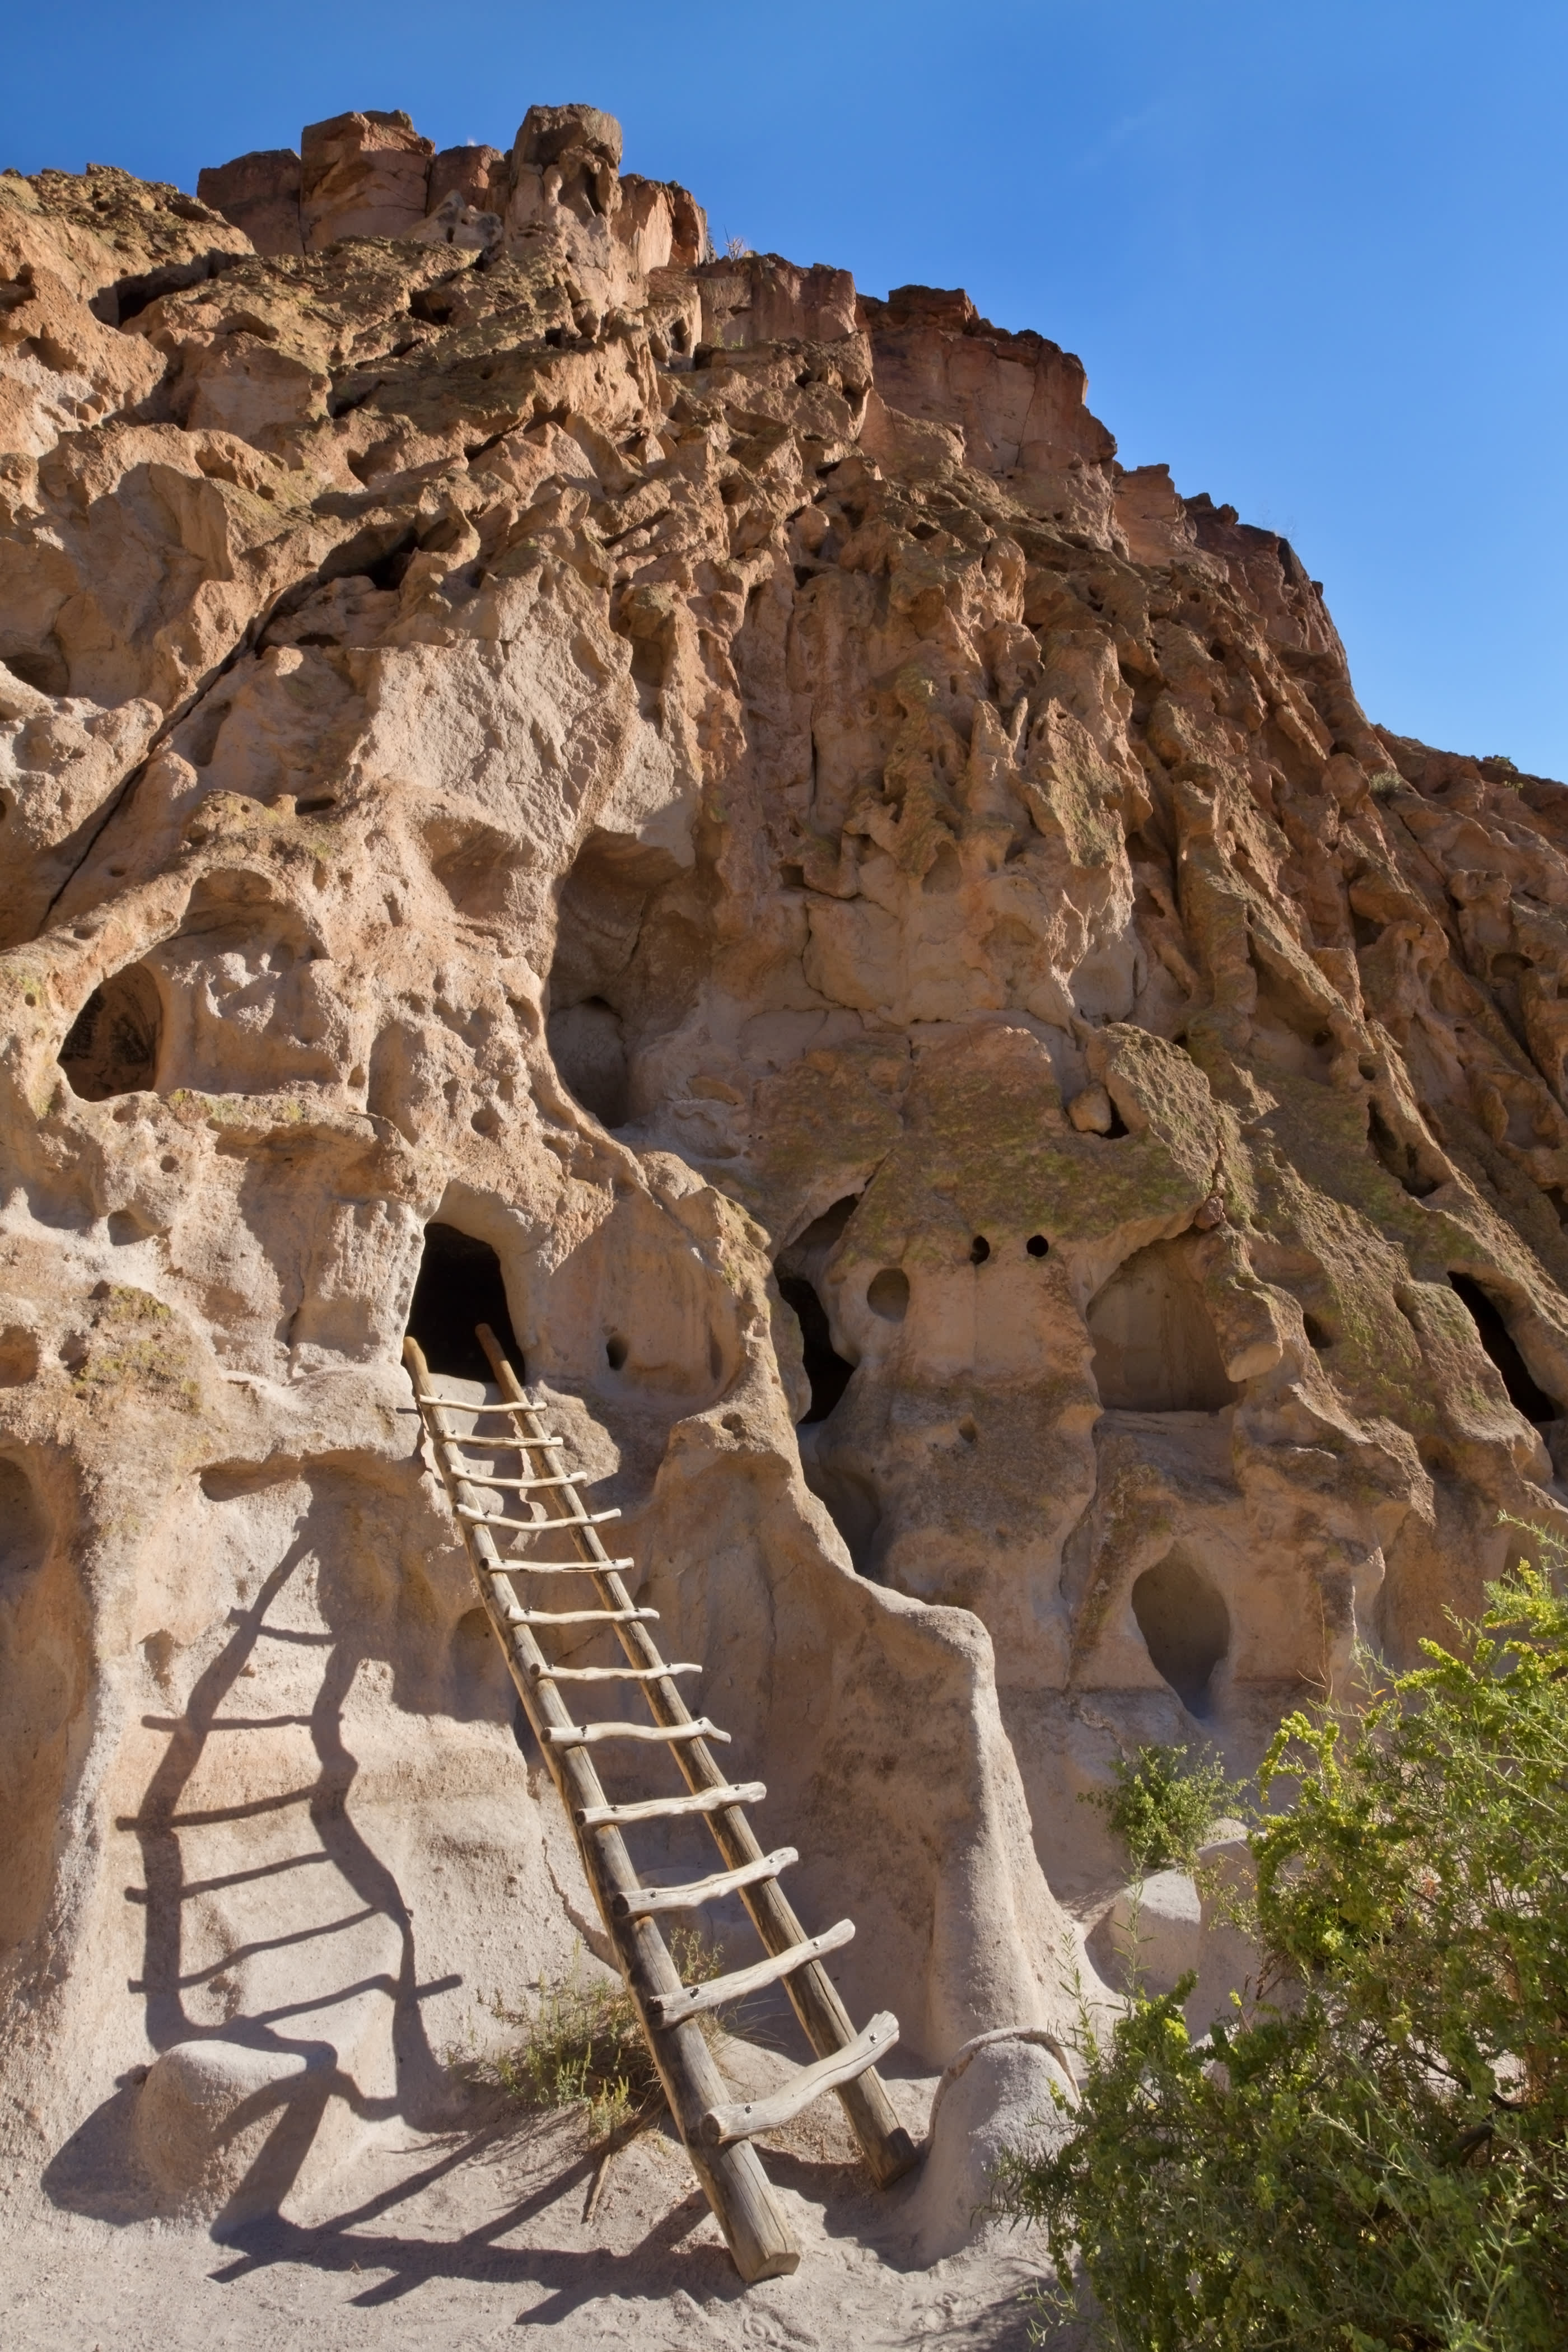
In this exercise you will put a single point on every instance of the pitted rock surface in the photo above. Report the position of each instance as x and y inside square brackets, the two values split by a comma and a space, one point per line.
[1024, 1136]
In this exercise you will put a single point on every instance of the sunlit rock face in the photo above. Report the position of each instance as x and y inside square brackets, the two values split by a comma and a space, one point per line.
[1021, 1136]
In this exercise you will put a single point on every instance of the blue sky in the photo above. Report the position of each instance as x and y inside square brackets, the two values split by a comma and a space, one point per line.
[1313, 255]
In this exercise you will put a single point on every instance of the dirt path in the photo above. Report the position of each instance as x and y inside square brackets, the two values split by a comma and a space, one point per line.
[480, 2239]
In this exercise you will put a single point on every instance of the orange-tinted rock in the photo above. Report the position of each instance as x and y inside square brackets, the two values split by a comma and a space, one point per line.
[363, 175]
[481, 176]
[259, 193]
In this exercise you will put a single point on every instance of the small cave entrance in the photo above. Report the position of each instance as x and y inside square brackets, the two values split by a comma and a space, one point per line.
[1525, 1393]
[460, 1285]
[1185, 1627]
[1154, 1344]
[799, 1268]
[1401, 1160]
[628, 960]
[824, 1368]
[588, 1045]
[112, 1045]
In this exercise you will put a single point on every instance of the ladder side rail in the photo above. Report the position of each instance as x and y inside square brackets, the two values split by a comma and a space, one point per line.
[755, 2229]
[814, 1998]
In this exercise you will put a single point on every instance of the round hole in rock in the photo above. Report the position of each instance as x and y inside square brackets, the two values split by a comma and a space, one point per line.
[616, 1352]
[113, 1045]
[459, 1286]
[979, 1250]
[1186, 1626]
[1037, 1245]
[887, 1294]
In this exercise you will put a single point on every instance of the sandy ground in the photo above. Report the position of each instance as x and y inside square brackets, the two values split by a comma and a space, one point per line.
[480, 2238]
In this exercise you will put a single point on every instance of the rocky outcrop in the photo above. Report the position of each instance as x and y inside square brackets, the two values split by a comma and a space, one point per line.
[1023, 1136]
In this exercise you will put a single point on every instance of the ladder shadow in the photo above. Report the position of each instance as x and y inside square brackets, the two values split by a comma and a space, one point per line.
[345, 2245]
[573, 2276]
[567, 2280]
[89, 2173]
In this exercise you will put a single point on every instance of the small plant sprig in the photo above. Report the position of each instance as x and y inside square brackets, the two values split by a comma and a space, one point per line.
[1162, 1803]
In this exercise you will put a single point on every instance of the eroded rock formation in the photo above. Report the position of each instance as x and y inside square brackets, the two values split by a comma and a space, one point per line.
[1023, 1136]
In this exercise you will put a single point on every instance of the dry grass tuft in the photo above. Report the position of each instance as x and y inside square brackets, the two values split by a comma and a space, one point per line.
[580, 2043]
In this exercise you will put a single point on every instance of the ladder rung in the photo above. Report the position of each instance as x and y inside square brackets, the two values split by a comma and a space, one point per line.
[514, 1442]
[518, 1445]
[456, 1404]
[670, 2008]
[589, 1735]
[543, 1567]
[745, 2118]
[660, 1809]
[478, 1477]
[645, 1900]
[608, 1674]
[537, 1526]
[516, 1616]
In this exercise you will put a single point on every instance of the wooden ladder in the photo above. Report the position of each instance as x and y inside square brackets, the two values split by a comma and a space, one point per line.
[717, 2131]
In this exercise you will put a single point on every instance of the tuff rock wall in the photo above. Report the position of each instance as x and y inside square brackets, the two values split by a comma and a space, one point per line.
[1023, 1137]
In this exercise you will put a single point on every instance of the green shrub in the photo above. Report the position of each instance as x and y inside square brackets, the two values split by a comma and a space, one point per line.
[1380, 2159]
[1162, 1805]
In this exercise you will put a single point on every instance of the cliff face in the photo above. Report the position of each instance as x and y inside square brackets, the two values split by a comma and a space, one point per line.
[682, 776]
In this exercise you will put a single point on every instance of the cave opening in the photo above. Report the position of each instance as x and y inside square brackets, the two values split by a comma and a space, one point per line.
[1525, 1393]
[799, 1268]
[1154, 1344]
[459, 1286]
[824, 1366]
[1185, 1627]
[1398, 1157]
[588, 1043]
[112, 1045]
[629, 955]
